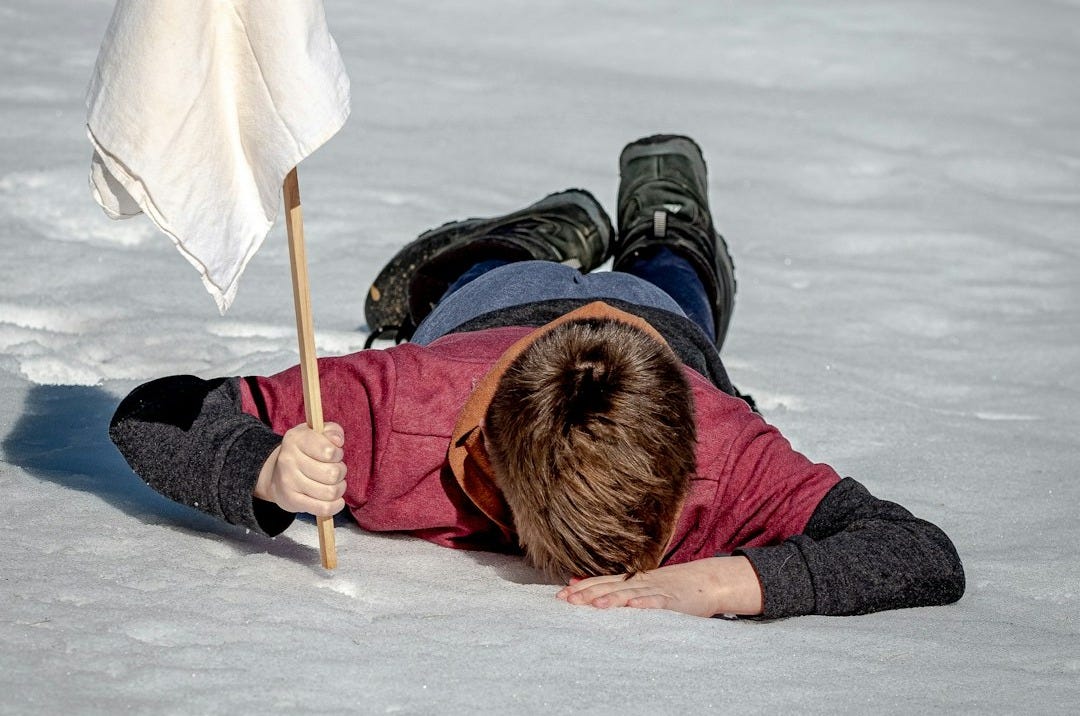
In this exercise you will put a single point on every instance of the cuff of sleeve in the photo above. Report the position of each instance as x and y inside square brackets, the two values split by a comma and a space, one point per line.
[270, 518]
[243, 462]
[785, 579]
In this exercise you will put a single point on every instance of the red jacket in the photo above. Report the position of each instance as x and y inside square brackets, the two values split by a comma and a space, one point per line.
[414, 447]
[399, 408]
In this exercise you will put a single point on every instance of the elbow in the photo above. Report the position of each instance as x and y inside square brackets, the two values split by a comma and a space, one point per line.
[955, 582]
[948, 582]
[948, 586]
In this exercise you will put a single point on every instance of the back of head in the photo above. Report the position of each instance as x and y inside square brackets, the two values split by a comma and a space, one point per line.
[591, 433]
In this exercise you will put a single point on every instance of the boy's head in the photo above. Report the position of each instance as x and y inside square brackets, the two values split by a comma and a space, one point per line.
[591, 434]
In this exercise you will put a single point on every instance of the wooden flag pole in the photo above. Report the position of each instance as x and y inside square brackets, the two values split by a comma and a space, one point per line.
[309, 368]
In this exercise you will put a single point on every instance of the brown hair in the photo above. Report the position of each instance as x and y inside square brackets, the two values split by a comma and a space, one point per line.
[591, 434]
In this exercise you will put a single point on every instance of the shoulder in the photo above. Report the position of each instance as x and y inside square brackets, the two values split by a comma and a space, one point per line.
[721, 418]
[471, 346]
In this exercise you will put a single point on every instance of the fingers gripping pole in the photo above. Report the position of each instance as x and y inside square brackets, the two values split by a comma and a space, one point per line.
[309, 368]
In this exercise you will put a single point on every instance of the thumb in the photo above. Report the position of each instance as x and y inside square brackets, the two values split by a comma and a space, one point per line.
[334, 433]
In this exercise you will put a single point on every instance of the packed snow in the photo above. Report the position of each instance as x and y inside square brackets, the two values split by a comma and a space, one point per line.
[900, 186]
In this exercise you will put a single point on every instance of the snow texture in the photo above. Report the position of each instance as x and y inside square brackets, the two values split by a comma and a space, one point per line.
[900, 185]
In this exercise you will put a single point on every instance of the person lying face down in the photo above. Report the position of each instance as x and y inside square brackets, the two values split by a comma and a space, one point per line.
[583, 419]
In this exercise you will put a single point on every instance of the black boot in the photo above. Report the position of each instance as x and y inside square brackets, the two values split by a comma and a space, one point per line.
[569, 227]
[663, 201]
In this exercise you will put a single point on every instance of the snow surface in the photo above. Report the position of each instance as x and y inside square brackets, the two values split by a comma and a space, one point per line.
[900, 185]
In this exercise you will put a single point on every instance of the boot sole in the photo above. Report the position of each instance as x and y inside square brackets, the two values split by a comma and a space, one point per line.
[386, 305]
[387, 302]
[662, 145]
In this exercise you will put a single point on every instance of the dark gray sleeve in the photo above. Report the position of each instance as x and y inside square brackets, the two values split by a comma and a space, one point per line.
[189, 439]
[858, 554]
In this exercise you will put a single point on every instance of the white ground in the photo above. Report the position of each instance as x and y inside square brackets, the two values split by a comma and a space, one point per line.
[900, 184]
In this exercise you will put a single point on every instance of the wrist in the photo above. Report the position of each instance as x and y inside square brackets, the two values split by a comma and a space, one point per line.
[735, 586]
[264, 483]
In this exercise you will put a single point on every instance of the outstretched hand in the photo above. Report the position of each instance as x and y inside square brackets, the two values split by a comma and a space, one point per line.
[704, 587]
[306, 473]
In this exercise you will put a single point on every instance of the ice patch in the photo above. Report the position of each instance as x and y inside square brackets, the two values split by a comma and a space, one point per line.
[49, 344]
[986, 415]
[42, 319]
[222, 550]
[249, 330]
[341, 586]
[327, 342]
[464, 83]
[49, 370]
[845, 185]
[32, 93]
[774, 401]
[339, 342]
[393, 198]
[885, 244]
[164, 633]
[1039, 179]
[56, 204]
[917, 321]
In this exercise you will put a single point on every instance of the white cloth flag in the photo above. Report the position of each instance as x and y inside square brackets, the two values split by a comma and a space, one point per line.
[197, 110]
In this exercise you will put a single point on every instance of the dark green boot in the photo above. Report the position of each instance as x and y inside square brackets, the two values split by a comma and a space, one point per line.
[663, 201]
[569, 227]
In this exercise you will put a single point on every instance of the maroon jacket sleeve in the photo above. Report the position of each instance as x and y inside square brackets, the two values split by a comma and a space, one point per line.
[357, 393]
[771, 489]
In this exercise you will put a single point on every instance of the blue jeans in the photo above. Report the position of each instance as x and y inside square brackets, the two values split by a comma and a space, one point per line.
[660, 279]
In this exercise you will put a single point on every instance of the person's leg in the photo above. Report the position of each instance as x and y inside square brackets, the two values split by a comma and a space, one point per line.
[676, 277]
[483, 290]
[569, 227]
[472, 273]
[663, 203]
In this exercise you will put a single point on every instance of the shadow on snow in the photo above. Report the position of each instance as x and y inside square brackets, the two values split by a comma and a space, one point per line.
[62, 437]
